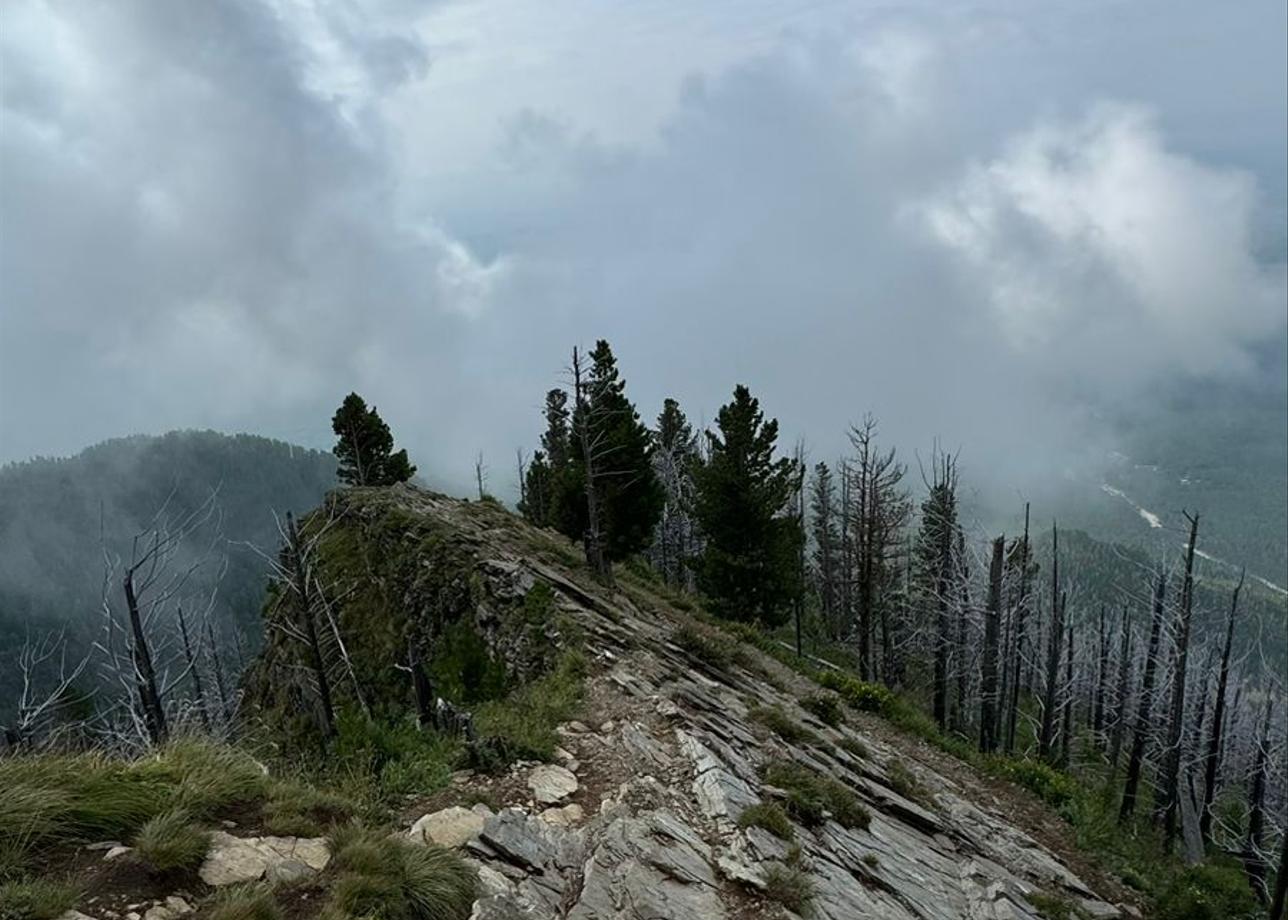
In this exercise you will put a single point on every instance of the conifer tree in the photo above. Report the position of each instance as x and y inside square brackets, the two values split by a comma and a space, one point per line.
[617, 462]
[749, 564]
[549, 498]
[936, 569]
[365, 447]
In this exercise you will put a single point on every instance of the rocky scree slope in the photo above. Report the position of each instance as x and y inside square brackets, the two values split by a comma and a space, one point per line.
[638, 817]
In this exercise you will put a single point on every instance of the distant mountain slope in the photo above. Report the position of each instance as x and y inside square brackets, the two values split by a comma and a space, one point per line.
[52, 511]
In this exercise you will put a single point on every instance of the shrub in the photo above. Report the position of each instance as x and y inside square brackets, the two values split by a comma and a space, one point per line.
[170, 841]
[771, 817]
[244, 902]
[863, 696]
[35, 899]
[825, 706]
[706, 645]
[1207, 893]
[810, 795]
[523, 724]
[1047, 783]
[394, 879]
[781, 724]
[790, 886]
[1054, 906]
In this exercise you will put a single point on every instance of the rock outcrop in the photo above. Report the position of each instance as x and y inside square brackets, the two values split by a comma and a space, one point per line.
[641, 820]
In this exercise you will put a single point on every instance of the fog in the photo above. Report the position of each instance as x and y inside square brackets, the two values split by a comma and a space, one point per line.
[992, 224]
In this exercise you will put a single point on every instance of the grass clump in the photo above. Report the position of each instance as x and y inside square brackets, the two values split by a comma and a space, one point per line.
[1207, 892]
[522, 726]
[1055, 906]
[294, 809]
[862, 695]
[903, 781]
[811, 796]
[782, 725]
[245, 902]
[707, 645]
[394, 879]
[826, 707]
[35, 899]
[770, 817]
[790, 886]
[854, 746]
[1047, 783]
[172, 842]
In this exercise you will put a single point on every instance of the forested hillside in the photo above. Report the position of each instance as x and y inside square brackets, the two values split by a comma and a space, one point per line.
[59, 517]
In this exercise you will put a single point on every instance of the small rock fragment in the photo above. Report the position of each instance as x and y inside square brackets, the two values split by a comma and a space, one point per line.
[550, 783]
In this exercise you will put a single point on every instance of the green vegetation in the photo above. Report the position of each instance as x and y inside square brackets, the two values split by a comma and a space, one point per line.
[1055, 788]
[523, 724]
[1055, 906]
[365, 447]
[790, 886]
[854, 746]
[172, 842]
[244, 902]
[1208, 892]
[394, 879]
[902, 781]
[783, 725]
[825, 706]
[810, 796]
[35, 899]
[294, 809]
[862, 695]
[707, 645]
[770, 817]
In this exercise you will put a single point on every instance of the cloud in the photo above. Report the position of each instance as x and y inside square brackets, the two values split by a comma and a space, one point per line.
[1096, 246]
[233, 214]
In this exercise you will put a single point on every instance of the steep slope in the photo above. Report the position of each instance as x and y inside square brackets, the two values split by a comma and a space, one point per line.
[681, 730]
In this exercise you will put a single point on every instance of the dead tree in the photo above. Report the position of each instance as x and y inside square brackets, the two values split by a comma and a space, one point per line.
[1172, 762]
[1017, 654]
[193, 671]
[1102, 675]
[593, 540]
[1281, 882]
[480, 475]
[992, 617]
[1212, 761]
[1254, 862]
[1066, 725]
[1120, 700]
[47, 678]
[1050, 697]
[1142, 727]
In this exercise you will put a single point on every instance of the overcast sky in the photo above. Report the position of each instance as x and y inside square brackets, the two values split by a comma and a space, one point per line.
[982, 221]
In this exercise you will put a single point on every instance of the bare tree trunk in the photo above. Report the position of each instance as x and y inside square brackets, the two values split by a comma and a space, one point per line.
[1102, 675]
[1120, 704]
[1254, 863]
[1066, 727]
[144, 674]
[303, 590]
[218, 669]
[594, 544]
[1049, 699]
[1142, 727]
[193, 671]
[1281, 882]
[1213, 759]
[959, 639]
[992, 617]
[1172, 764]
[1017, 666]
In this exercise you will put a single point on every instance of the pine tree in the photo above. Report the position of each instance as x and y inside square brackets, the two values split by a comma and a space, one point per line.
[749, 564]
[617, 462]
[365, 447]
[549, 494]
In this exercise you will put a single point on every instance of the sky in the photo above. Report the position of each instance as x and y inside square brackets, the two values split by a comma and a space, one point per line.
[988, 223]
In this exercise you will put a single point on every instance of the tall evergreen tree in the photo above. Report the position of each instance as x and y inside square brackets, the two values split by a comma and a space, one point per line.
[749, 564]
[365, 447]
[549, 494]
[618, 461]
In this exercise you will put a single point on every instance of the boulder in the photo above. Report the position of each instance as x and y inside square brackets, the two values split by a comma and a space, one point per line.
[232, 860]
[551, 783]
[450, 827]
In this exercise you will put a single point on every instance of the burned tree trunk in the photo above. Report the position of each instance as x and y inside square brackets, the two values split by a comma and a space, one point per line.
[193, 671]
[992, 618]
[1172, 764]
[1102, 675]
[1049, 698]
[1213, 759]
[299, 572]
[1120, 703]
[144, 674]
[1254, 863]
[1140, 731]
[1066, 727]
[1017, 654]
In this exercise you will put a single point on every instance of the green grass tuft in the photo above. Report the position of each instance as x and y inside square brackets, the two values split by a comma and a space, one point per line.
[826, 707]
[810, 795]
[172, 842]
[863, 696]
[522, 726]
[35, 899]
[783, 725]
[771, 817]
[856, 747]
[1208, 893]
[394, 879]
[901, 780]
[244, 902]
[790, 886]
